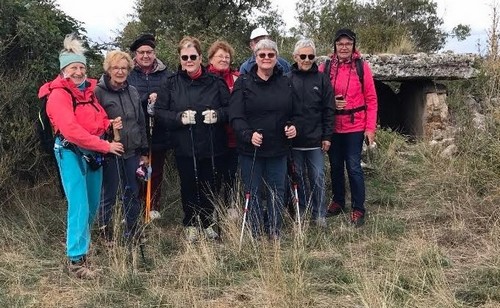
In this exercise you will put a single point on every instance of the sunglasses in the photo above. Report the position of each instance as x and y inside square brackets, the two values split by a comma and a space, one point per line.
[190, 57]
[310, 57]
[270, 55]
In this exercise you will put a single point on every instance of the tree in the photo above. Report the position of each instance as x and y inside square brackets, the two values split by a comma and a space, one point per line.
[320, 19]
[31, 36]
[208, 20]
[380, 24]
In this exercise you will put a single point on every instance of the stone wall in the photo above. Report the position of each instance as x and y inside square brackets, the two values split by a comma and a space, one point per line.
[410, 101]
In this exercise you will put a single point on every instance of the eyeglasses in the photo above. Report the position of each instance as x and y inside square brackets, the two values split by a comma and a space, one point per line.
[223, 57]
[310, 57]
[344, 45]
[145, 52]
[117, 69]
[270, 55]
[190, 57]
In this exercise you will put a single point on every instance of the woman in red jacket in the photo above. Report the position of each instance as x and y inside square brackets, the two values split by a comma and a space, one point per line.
[355, 121]
[79, 123]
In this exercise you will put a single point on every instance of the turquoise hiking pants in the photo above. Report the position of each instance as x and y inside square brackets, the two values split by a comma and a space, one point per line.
[83, 191]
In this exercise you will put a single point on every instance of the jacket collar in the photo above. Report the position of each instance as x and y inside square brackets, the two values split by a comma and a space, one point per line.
[313, 69]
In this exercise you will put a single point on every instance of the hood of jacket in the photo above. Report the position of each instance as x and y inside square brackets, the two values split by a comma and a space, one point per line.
[66, 83]
[277, 72]
[313, 69]
[335, 60]
[158, 66]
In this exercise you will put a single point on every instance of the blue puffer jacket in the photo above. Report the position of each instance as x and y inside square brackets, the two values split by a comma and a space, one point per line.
[147, 84]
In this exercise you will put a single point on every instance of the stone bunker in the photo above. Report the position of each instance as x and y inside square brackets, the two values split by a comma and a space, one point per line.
[411, 99]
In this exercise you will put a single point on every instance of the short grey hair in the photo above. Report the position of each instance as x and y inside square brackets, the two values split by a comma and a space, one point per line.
[265, 44]
[304, 43]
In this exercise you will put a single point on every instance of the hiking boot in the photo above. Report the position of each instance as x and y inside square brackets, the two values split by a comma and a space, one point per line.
[335, 209]
[154, 215]
[191, 234]
[81, 269]
[211, 234]
[357, 218]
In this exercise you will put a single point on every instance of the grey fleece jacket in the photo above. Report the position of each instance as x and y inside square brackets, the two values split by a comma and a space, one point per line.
[125, 103]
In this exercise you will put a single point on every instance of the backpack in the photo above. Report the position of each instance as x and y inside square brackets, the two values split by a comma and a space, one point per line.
[359, 70]
[45, 133]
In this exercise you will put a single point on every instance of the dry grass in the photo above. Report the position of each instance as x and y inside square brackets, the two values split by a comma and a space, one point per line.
[431, 240]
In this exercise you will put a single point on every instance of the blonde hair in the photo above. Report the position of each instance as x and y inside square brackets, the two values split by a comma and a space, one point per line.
[72, 44]
[189, 41]
[115, 56]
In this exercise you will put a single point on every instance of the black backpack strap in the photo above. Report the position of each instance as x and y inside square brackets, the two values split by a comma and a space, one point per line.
[361, 72]
[328, 68]
[73, 99]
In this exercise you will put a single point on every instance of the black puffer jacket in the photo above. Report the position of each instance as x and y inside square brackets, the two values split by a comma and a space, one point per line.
[147, 84]
[262, 104]
[124, 103]
[316, 111]
[180, 93]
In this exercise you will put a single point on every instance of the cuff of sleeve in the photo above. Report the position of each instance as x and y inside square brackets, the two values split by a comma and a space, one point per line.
[247, 136]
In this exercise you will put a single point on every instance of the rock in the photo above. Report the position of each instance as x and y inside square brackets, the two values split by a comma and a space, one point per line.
[449, 151]
[447, 66]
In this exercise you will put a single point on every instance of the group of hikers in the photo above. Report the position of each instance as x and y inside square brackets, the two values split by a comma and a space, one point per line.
[260, 122]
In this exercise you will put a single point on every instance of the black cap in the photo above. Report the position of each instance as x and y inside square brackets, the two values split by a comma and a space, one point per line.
[344, 32]
[144, 39]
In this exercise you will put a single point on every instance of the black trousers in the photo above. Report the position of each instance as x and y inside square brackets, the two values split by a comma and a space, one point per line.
[198, 196]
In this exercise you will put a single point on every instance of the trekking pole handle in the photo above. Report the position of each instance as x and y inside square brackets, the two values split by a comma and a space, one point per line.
[116, 135]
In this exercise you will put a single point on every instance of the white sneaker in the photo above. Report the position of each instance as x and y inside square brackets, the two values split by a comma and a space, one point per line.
[211, 234]
[191, 234]
[154, 215]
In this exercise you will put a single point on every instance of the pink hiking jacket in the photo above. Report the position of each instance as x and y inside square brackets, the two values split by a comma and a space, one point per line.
[345, 82]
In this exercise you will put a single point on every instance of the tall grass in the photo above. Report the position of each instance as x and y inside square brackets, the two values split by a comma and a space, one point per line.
[431, 240]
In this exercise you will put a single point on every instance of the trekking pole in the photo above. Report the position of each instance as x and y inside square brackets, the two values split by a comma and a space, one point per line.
[294, 182]
[214, 172]
[248, 192]
[195, 165]
[147, 217]
[212, 155]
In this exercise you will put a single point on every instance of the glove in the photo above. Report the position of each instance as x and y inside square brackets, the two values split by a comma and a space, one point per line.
[187, 117]
[210, 116]
[151, 108]
[143, 173]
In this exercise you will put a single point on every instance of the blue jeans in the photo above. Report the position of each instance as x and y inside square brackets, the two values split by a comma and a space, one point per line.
[346, 149]
[120, 171]
[273, 171]
[82, 187]
[310, 165]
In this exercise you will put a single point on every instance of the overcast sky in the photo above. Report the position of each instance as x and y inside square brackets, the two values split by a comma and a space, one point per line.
[102, 19]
